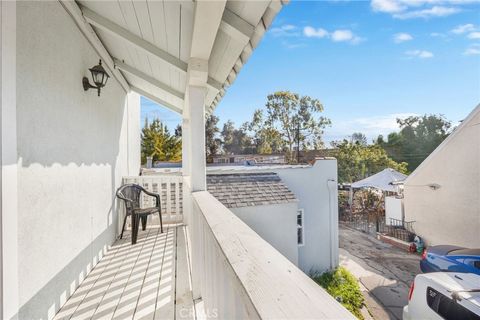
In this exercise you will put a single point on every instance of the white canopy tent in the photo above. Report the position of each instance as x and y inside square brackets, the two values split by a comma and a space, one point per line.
[384, 180]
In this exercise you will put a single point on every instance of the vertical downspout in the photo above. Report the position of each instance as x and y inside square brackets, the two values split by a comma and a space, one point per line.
[331, 185]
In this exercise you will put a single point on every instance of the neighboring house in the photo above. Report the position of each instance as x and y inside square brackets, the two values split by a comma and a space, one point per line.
[309, 156]
[265, 204]
[243, 158]
[310, 197]
[442, 195]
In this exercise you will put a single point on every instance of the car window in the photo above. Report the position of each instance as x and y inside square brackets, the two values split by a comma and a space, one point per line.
[466, 252]
[447, 308]
[476, 264]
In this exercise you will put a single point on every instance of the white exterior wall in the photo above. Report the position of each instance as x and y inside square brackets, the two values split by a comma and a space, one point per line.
[450, 214]
[8, 152]
[73, 149]
[319, 199]
[393, 209]
[276, 224]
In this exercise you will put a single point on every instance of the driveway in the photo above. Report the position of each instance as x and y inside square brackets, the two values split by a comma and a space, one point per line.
[385, 272]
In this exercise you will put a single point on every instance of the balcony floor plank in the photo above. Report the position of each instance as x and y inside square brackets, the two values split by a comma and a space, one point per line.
[149, 280]
[165, 304]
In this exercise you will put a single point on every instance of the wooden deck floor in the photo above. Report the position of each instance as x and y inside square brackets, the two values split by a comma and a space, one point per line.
[149, 280]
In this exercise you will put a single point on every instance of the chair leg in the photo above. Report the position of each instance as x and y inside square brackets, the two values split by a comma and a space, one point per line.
[135, 225]
[123, 228]
[161, 223]
[144, 223]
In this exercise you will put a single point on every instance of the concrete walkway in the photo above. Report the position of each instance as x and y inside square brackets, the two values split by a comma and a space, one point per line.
[385, 272]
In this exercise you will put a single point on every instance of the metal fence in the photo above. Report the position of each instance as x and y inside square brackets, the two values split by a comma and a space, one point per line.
[402, 230]
[365, 223]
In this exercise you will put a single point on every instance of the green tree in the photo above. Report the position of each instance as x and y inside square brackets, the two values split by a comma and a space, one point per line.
[212, 141]
[358, 137]
[158, 143]
[357, 161]
[266, 140]
[417, 138]
[235, 141]
[297, 119]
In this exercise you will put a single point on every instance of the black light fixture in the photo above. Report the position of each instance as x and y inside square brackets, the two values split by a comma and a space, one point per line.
[99, 76]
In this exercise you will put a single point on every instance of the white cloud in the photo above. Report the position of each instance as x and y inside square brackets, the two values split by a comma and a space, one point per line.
[286, 30]
[471, 52]
[345, 36]
[463, 28]
[422, 54]
[409, 9]
[474, 35]
[341, 35]
[370, 126]
[389, 6]
[401, 37]
[311, 32]
[436, 11]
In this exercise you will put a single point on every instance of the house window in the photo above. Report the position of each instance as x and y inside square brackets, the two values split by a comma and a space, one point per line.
[300, 230]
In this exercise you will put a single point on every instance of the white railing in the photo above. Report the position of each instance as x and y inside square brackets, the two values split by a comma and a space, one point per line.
[238, 275]
[169, 187]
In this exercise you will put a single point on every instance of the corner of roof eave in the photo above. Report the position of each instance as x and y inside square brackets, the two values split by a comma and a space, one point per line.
[267, 18]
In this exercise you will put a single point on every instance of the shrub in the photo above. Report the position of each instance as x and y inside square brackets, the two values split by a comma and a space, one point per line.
[343, 286]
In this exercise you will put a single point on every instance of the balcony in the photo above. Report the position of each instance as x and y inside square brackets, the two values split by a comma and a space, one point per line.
[216, 259]
[148, 280]
[65, 151]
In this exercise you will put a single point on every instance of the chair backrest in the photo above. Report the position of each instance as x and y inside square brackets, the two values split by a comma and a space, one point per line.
[130, 194]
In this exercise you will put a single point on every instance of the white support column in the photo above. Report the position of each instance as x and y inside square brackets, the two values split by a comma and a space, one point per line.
[133, 133]
[9, 303]
[186, 150]
[194, 158]
[207, 19]
[194, 111]
[196, 106]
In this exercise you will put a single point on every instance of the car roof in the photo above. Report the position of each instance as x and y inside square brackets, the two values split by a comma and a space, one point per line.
[464, 252]
[452, 281]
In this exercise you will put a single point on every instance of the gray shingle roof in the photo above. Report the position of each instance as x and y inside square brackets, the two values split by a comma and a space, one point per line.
[249, 189]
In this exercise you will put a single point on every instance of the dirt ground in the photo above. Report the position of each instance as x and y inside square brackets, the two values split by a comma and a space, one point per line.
[385, 272]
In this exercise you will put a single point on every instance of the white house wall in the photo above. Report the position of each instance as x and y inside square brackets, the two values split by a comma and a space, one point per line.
[73, 149]
[318, 197]
[276, 224]
[451, 213]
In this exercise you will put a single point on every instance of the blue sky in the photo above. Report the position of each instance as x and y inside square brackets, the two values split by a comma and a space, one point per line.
[368, 62]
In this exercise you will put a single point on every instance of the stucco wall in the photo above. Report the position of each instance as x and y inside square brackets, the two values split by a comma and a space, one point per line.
[319, 199]
[276, 224]
[73, 148]
[450, 214]
[393, 209]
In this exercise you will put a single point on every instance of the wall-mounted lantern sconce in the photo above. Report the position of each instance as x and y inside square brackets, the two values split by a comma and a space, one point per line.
[99, 76]
[434, 186]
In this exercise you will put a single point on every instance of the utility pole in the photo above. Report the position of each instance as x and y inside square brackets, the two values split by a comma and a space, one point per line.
[298, 142]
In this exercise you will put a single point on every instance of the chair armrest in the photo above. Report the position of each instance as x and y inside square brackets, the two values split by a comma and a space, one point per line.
[152, 194]
[124, 199]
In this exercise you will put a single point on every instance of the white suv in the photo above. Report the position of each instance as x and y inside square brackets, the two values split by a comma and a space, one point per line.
[444, 295]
